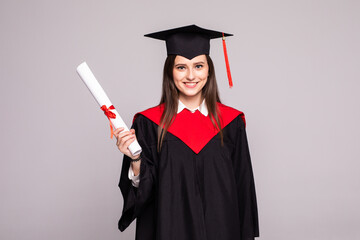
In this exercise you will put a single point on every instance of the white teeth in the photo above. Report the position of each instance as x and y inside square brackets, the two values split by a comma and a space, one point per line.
[191, 84]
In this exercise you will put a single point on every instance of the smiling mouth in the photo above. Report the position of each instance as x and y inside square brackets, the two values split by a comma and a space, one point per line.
[191, 84]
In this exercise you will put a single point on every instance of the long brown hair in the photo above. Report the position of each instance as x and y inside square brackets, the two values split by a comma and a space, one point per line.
[170, 98]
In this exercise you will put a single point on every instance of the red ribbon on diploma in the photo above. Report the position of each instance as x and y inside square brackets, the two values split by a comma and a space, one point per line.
[109, 114]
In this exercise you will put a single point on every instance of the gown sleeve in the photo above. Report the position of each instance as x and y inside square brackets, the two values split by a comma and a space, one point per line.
[136, 199]
[248, 213]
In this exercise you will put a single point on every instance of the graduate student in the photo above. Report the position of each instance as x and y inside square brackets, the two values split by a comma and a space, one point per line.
[194, 179]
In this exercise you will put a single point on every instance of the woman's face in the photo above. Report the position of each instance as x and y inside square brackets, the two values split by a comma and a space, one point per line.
[190, 76]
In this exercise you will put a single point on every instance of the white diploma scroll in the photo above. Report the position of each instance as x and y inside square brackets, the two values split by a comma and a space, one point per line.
[99, 94]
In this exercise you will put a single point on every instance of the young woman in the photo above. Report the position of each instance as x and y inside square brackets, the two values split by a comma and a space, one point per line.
[193, 179]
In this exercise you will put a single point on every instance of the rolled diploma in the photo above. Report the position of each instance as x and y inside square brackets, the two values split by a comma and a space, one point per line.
[99, 94]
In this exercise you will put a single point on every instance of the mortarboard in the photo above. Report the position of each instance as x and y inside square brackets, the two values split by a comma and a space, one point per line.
[191, 41]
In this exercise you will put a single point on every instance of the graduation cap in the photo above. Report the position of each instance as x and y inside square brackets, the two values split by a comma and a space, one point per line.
[191, 41]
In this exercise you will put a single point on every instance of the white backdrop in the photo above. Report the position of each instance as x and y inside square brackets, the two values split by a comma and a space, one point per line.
[295, 66]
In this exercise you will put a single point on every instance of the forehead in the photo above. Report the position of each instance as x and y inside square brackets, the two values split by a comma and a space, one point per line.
[184, 60]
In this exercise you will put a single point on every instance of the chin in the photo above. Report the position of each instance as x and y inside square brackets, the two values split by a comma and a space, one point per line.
[190, 94]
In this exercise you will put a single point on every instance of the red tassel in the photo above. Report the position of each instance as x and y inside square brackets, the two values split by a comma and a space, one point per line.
[227, 62]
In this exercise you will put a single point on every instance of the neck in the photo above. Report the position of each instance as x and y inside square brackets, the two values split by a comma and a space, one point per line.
[191, 102]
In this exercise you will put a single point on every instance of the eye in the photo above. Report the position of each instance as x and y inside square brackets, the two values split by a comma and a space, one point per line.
[180, 67]
[199, 66]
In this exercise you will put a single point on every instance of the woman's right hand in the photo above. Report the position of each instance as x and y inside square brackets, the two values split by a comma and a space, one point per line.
[124, 139]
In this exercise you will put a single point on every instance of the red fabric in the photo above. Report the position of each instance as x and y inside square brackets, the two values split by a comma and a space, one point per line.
[194, 129]
[227, 62]
[109, 114]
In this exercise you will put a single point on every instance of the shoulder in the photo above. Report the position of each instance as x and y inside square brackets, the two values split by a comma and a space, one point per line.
[229, 113]
[153, 114]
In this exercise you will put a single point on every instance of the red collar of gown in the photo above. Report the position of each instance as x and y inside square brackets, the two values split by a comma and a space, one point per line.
[194, 129]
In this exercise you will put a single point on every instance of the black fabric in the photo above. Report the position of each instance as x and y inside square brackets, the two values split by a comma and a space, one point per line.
[188, 196]
[188, 41]
[188, 45]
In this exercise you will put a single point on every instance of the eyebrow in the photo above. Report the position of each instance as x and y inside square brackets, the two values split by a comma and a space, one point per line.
[201, 62]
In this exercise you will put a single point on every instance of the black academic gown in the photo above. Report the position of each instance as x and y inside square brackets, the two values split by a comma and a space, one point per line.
[194, 188]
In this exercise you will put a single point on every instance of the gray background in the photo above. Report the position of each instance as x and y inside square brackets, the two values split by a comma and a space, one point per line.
[295, 66]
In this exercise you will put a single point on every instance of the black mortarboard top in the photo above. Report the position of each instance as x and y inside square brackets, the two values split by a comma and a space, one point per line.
[191, 41]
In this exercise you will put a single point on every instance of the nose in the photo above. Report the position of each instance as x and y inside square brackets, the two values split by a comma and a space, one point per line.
[190, 74]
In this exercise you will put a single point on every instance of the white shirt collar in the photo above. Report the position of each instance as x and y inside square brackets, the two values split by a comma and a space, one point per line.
[202, 108]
